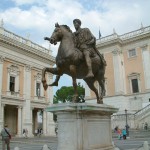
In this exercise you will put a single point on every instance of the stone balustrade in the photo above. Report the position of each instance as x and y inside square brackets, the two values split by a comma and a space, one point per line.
[126, 36]
[5, 34]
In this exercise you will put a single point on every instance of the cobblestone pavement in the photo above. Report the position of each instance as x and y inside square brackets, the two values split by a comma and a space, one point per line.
[35, 143]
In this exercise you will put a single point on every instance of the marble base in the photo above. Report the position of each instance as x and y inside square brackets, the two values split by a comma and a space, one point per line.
[84, 126]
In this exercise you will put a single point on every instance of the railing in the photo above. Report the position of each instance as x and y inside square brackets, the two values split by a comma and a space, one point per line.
[132, 118]
[21, 40]
[143, 110]
[129, 35]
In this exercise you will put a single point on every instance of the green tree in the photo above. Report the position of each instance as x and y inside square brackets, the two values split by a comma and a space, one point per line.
[65, 93]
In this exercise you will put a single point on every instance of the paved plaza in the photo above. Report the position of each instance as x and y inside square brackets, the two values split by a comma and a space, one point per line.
[37, 143]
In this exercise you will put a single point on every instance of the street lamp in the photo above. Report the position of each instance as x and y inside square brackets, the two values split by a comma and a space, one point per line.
[127, 126]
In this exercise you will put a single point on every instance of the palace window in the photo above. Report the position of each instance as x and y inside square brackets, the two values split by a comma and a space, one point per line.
[132, 53]
[12, 84]
[38, 89]
[13, 78]
[135, 87]
[134, 80]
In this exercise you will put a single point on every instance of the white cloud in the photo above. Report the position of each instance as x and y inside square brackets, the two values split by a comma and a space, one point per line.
[26, 2]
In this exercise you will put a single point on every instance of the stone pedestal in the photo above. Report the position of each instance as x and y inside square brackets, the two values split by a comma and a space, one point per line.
[83, 126]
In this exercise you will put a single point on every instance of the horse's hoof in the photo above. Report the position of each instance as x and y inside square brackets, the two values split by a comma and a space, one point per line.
[75, 99]
[99, 102]
[45, 87]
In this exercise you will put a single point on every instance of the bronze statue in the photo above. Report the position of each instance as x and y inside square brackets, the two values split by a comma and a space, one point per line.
[78, 57]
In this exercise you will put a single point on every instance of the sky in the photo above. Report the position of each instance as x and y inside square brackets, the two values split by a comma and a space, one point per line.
[37, 18]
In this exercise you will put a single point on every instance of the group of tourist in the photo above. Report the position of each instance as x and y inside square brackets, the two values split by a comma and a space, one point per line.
[122, 134]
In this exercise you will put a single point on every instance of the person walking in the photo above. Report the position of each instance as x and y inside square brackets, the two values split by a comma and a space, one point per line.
[6, 136]
[124, 134]
[146, 126]
[26, 133]
[119, 134]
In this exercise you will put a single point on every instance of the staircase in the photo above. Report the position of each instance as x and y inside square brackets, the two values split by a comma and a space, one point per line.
[135, 121]
[136, 133]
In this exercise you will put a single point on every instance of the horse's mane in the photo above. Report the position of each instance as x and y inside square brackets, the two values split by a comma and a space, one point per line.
[67, 27]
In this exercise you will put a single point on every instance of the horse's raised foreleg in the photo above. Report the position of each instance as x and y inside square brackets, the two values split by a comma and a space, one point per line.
[57, 71]
[55, 83]
[44, 79]
[74, 83]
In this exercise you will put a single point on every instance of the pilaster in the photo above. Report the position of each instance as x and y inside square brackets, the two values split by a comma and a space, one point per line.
[2, 116]
[50, 88]
[1, 84]
[118, 72]
[146, 65]
[27, 82]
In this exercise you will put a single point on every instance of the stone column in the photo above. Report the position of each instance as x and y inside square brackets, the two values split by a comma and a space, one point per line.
[19, 133]
[49, 116]
[118, 72]
[44, 123]
[84, 126]
[30, 129]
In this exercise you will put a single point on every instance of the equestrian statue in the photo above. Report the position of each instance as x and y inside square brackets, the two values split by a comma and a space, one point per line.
[77, 57]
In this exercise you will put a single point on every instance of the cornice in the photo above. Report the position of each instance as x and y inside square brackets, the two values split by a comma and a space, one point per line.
[12, 101]
[2, 59]
[26, 50]
[39, 105]
[23, 62]
[123, 39]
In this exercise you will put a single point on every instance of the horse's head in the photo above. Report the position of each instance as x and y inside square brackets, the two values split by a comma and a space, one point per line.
[56, 35]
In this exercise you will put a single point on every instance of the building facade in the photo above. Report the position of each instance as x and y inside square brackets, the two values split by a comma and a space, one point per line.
[127, 77]
[21, 92]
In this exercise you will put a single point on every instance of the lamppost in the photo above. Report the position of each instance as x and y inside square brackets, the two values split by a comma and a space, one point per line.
[127, 126]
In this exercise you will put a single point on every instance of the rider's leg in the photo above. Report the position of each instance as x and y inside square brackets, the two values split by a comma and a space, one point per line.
[88, 63]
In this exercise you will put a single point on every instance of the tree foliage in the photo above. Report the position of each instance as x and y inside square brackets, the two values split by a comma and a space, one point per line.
[64, 94]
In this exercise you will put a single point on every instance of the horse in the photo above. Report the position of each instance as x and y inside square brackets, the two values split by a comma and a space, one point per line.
[71, 61]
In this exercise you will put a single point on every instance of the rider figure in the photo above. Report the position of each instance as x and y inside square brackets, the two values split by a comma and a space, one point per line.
[86, 42]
